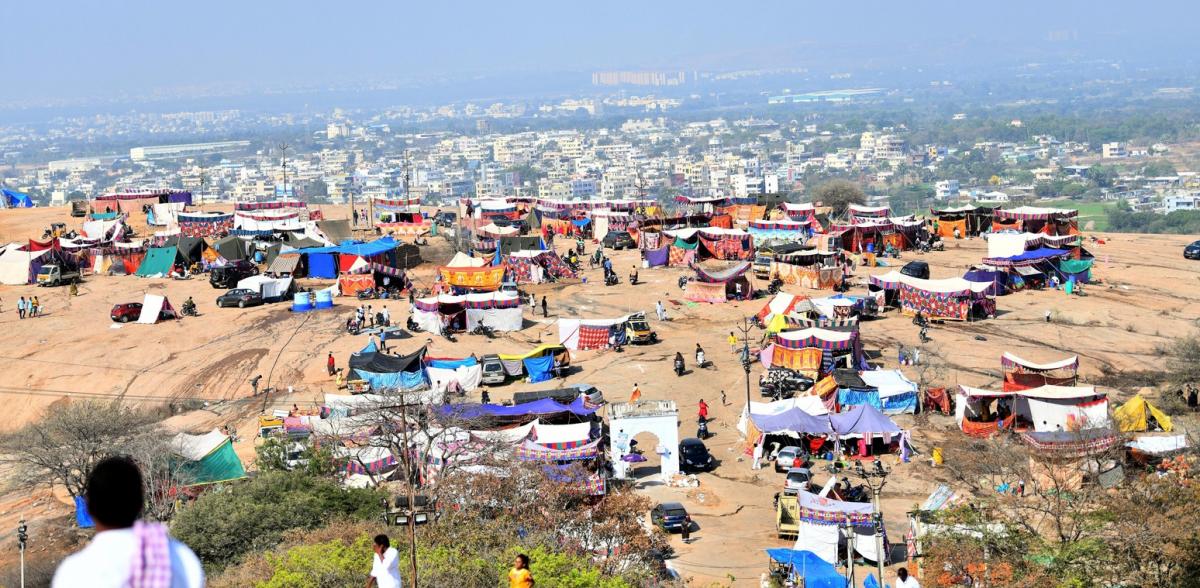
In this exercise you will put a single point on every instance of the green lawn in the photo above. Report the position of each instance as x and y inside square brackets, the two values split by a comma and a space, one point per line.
[1088, 211]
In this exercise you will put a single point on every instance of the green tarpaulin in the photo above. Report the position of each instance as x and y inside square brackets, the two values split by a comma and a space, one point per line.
[680, 243]
[1075, 266]
[220, 465]
[158, 262]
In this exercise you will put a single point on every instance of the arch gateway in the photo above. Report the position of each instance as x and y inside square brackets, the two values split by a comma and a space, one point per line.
[657, 417]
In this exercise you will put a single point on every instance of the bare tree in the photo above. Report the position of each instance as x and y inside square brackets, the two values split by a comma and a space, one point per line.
[62, 447]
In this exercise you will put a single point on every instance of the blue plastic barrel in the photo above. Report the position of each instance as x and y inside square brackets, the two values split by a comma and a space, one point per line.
[324, 299]
[300, 302]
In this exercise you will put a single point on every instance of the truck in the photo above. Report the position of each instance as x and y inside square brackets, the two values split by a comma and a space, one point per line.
[787, 514]
[79, 208]
[56, 275]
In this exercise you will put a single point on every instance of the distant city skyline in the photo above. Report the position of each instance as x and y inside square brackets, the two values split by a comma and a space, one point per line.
[75, 48]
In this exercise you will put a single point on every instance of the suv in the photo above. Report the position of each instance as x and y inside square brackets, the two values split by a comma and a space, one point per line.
[493, 370]
[445, 219]
[618, 240]
[916, 269]
[669, 516]
[1192, 251]
[229, 275]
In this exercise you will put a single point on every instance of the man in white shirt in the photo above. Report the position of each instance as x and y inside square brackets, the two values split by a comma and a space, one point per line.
[903, 580]
[385, 566]
[125, 551]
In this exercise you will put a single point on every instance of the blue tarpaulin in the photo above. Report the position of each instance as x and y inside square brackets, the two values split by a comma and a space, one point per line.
[539, 368]
[82, 517]
[452, 364]
[322, 265]
[396, 381]
[817, 573]
[545, 406]
[13, 199]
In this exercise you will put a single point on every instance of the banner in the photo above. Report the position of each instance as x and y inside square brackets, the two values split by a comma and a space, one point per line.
[480, 278]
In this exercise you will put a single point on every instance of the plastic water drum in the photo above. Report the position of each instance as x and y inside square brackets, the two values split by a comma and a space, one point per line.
[324, 299]
[300, 302]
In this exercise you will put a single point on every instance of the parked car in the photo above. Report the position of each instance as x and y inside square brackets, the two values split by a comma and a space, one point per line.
[239, 297]
[916, 269]
[788, 458]
[618, 240]
[694, 456]
[1192, 251]
[228, 276]
[798, 479]
[445, 219]
[493, 370]
[669, 516]
[132, 311]
[510, 288]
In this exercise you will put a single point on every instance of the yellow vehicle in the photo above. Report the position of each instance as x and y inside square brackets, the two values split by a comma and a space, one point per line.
[638, 330]
[787, 514]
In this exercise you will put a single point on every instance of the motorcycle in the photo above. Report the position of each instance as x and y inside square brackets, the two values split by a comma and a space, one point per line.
[775, 286]
[683, 282]
[412, 325]
[188, 308]
[611, 280]
[572, 265]
[485, 330]
[702, 430]
[633, 277]
[367, 294]
[678, 367]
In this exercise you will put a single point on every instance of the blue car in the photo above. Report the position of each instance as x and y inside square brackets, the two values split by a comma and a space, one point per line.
[669, 516]
[1192, 251]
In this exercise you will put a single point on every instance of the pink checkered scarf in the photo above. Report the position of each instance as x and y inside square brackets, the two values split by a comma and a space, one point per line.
[152, 560]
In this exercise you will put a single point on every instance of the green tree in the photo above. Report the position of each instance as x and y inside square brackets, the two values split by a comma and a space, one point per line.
[223, 525]
[1104, 175]
[839, 195]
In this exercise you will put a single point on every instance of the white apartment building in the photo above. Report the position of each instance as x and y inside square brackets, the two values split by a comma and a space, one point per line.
[946, 189]
[1113, 150]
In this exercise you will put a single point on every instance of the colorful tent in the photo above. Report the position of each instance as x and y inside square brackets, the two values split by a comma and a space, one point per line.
[1134, 416]
[153, 306]
[816, 572]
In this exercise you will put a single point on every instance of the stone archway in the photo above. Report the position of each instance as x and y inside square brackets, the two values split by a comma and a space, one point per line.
[656, 417]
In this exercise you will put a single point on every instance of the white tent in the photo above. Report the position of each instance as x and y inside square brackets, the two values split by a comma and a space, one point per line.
[152, 306]
[16, 267]
[270, 288]
[461, 259]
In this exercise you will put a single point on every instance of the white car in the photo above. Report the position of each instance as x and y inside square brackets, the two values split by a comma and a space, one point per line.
[786, 458]
[798, 479]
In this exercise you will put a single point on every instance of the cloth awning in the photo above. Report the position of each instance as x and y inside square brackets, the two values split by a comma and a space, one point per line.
[1044, 392]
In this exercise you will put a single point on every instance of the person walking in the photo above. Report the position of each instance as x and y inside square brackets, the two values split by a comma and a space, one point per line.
[385, 565]
[21, 306]
[699, 356]
[36, 306]
[545, 310]
[733, 342]
[724, 402]
[660, 311]
[703, 411]
[330, 364]
[686, 529]
[519, 576]
[126, 551]
[387, 317]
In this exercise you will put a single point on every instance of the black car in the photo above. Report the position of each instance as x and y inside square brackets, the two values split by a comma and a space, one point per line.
[669, 516]
[916, 269]
[445, 219]
[694, 456]
[618, 240]
[1192, 251]
[228, 276]
[239, 297]
[781, 384]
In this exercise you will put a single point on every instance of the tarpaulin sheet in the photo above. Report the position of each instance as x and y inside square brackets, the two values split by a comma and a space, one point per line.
[539, 368]
[541, 407]
[484, 278]
[702, 292]
[322, 265]
[817, 572]
[657, 257]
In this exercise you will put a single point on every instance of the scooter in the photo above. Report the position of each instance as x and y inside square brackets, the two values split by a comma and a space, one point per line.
[188, 309]
[611, 280]
[484, 330]
[633, 277]
[678, 367]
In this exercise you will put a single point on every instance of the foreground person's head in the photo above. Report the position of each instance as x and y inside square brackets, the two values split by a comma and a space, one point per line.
[114, 493]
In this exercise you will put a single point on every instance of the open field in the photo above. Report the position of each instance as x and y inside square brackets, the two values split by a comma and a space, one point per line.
[1148, 295]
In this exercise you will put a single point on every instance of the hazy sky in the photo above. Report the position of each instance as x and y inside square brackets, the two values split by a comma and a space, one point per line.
[63, 47]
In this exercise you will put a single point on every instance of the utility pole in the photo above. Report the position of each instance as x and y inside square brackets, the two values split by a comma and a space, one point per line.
[745, 327]
[875, 478]
[22, 537]
[848, 531]
[283, 149]
[412, 499]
